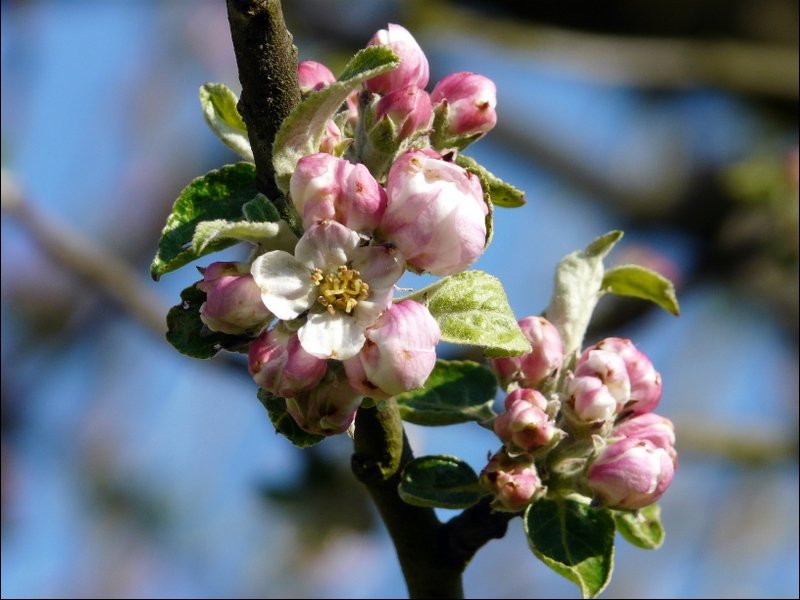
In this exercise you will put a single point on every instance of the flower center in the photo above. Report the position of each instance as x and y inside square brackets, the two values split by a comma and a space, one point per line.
[341, 290]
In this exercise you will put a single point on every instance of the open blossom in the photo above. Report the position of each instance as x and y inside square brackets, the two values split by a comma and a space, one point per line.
[413, 68]
[343, 286]
[233, 301]
[631, 473]
[544, 359]
[313, 76]
[324, 187]
[525, 425]
[471, 101]
[279, 364]
[399, 354]
[435, 214]
[645, 381]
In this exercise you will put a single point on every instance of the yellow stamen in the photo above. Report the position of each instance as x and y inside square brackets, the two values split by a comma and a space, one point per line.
[341, 290]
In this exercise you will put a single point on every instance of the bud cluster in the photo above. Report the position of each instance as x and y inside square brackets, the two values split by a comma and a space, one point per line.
[380, 194]
[589, 430]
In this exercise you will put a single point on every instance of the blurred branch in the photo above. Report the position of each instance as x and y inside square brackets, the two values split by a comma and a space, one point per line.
[767, 69]
[113, 276]
[735, 445]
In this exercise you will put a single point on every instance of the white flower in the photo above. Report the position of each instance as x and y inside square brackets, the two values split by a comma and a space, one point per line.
[344, 287]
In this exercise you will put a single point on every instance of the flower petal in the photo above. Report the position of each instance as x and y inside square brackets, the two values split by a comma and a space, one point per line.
[380, 267]
[326, 245]
[336, 336]
[285, 284]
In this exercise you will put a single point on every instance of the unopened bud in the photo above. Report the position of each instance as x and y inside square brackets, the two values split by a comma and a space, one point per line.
[279, 364]
[544, 359]
[327, 409]
[233, 301]
[408, 109]
[525, 426]
[413, 67]
[591, 400]
[513, 481]
[649, 426]
[470, 101]
[313, 76]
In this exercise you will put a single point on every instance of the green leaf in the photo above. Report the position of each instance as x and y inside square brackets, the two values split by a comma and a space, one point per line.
[302, 130]
[641, 528]
[189, 335]
[577, 288]
[219, 110]
[218, 194]
[502, 194]
[212, 233]
[639, 282]
[284, 423]
[574, 540]
[471, 308]
[441, 482]
[260, 209]
[456, 392]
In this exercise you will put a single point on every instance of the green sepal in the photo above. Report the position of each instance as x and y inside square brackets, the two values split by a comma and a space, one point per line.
[284, 423]
[455, 392]
[440, 482]
[189, 335]
[577, 288]
[638, 282]
[303, 129]
[574, 540]
[502, 194]
[219, 110]
[642, 528]
[219, 194]
[472, 309]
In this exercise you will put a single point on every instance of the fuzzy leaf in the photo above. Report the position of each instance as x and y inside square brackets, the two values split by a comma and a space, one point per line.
[456, 392]
[218, 194]
[502, 194]
[273, 235]
[641, 528]
[441, 482]
[302, 130]
[260, 210]
[471, 308]
[189, 335]
[577, 288]
[574, 540]
[219, 109]
[639, 282]
[284, 423]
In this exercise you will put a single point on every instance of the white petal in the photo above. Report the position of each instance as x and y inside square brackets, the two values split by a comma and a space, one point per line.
[380, 267]
[336, 336]
[285, 284]
[326, 245]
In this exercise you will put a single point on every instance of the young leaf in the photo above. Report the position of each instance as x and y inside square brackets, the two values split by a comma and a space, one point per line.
[209, 234]
[641, 528]
[471, 308]
[219, 109]
[577, 288]
[189, 335]
[441, 482]
[302, 130]
[218, 194]
[502, 194]
[456, 392]
[638, 282]
[574, 540]
[284, 423]
[260, 210]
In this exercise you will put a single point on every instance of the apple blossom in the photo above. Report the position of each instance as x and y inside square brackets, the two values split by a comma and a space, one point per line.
[233, 301]
[413, 67]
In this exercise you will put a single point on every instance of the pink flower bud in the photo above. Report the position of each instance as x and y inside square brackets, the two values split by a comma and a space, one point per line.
[514, 482]
[408, 109]
[313, 76]
[327, 409]
[651, 427]
[645, 381]
[610, 369]
[399, 353]
[413, 68]
[436, 215]
[233, 300]
[331, 138]
[525, 424]
[324, 187]
[544, 359]
[591, 400]
[279, 364]
[631, 473]
[471, 100]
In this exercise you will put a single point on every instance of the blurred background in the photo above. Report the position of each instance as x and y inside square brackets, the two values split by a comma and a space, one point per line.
[129, 470]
